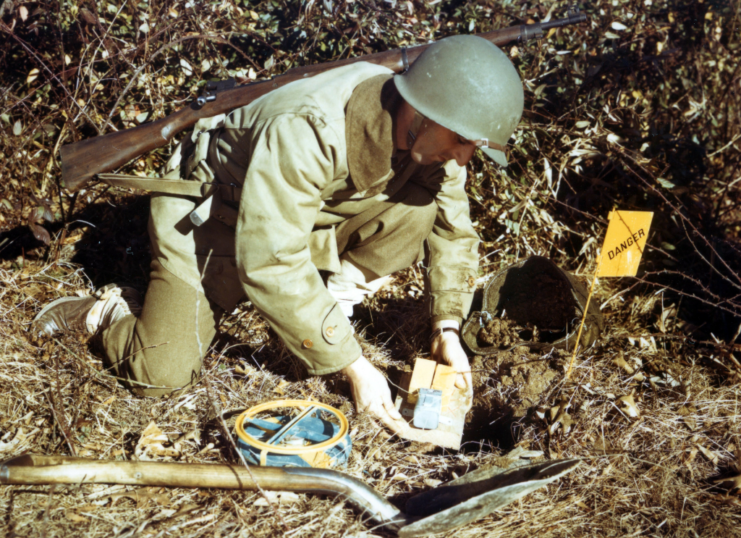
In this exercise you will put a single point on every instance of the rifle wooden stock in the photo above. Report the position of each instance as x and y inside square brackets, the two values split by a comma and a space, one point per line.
[82, 160]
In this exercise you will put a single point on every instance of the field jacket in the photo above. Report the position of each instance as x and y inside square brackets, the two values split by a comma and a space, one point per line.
[307, 156]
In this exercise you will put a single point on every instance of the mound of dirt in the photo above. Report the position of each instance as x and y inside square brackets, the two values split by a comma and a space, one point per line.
[522, 377]
[529, 379]
[506, 387]
[498, 332]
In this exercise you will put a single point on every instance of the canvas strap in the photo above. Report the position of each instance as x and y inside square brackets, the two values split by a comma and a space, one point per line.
[178, 187]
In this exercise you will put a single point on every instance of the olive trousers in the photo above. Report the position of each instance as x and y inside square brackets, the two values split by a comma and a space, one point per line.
[162, 350]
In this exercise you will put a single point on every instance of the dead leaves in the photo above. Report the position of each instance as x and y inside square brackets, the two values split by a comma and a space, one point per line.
[19, 441]
[151, 445]
[142, 496]
[628, 405]
[620, 362]
[37, 216]
[711, 456]
[687, 413]
[735, 481]
[281, 387]
[154, 444]
[732, 482]
[560, 418]
[171, 505]
[75, 517]
[277, 498]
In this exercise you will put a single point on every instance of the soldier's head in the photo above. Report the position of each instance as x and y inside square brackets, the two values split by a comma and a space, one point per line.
[462, 93]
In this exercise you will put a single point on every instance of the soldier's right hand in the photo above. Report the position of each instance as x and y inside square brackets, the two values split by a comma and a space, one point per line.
[372, 395]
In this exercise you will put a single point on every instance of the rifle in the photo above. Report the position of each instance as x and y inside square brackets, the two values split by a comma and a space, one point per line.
[82, 160]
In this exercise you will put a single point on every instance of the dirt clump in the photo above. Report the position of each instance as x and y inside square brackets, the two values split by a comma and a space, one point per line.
[507, 386]
[519, 379]
[530, 379]
[500, 332]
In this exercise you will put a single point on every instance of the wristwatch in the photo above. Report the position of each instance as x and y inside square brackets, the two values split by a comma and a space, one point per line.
[440, 330]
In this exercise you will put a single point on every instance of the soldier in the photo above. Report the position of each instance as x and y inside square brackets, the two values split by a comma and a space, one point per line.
[340, 180]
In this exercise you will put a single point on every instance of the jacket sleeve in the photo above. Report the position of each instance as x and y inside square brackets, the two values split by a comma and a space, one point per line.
[293, 159]
[453, 250]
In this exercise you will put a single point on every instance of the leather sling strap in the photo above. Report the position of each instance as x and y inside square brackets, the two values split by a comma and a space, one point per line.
[178, 187]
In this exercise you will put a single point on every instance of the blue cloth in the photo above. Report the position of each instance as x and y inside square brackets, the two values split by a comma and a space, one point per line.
[312, 429]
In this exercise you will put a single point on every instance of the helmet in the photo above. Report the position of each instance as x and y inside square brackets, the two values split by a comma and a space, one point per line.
[468, 85]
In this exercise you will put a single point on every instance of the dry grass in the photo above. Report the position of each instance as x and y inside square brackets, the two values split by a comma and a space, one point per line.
[644, 476]
[645, 117]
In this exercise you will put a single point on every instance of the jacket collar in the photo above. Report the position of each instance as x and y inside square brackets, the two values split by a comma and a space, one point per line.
[369, 130]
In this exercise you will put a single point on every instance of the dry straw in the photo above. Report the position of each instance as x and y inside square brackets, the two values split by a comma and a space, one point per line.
[641, 109]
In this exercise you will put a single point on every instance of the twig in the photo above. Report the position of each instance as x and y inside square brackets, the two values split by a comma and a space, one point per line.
[47, 172]
[691, 225]
[48, 508]
[734, 311]
[23, 44]
[727, 145]
[686, 277]
[583, 319]
[703, 258]
[160, 51]
[228, 436]
[62, 424]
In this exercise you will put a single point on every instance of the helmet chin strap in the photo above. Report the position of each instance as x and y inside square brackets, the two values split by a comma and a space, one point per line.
[414, 128]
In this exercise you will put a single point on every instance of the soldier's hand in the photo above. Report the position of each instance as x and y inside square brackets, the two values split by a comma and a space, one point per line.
[372, 395]
[446, 348]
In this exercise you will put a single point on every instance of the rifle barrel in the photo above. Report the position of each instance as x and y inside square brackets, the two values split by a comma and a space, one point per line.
[83, 160]
[573, 18]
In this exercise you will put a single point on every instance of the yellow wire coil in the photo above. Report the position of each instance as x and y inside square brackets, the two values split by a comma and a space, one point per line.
[329, 443]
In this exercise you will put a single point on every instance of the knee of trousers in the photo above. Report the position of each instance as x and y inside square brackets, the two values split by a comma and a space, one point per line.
[158, 353]
[162, 370]
[398, 234]
[417, 211]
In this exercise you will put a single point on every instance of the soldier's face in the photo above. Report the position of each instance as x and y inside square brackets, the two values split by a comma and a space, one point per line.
[435, 143]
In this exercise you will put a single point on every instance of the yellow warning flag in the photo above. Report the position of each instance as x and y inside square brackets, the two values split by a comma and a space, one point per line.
[624, 243]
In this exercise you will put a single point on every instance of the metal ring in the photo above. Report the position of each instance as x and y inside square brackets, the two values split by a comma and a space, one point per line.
[329, 443]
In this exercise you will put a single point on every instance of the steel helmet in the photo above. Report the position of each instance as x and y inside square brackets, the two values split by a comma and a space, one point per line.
[468, 85]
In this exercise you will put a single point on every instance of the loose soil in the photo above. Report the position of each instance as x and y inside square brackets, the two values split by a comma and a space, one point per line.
[507, 387]
[518, 377]
[502, 333]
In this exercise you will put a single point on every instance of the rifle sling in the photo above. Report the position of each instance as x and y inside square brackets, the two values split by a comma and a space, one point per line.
[179, 187]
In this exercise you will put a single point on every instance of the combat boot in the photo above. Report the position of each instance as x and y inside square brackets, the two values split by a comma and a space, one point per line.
[92, 313]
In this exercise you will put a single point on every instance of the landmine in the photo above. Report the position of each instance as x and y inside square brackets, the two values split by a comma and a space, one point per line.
[456, 403]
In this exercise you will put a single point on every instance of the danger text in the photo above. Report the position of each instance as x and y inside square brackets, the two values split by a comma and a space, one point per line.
[632, 240]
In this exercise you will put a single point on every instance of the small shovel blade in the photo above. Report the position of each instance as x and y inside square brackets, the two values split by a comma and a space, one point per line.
[477, 495]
